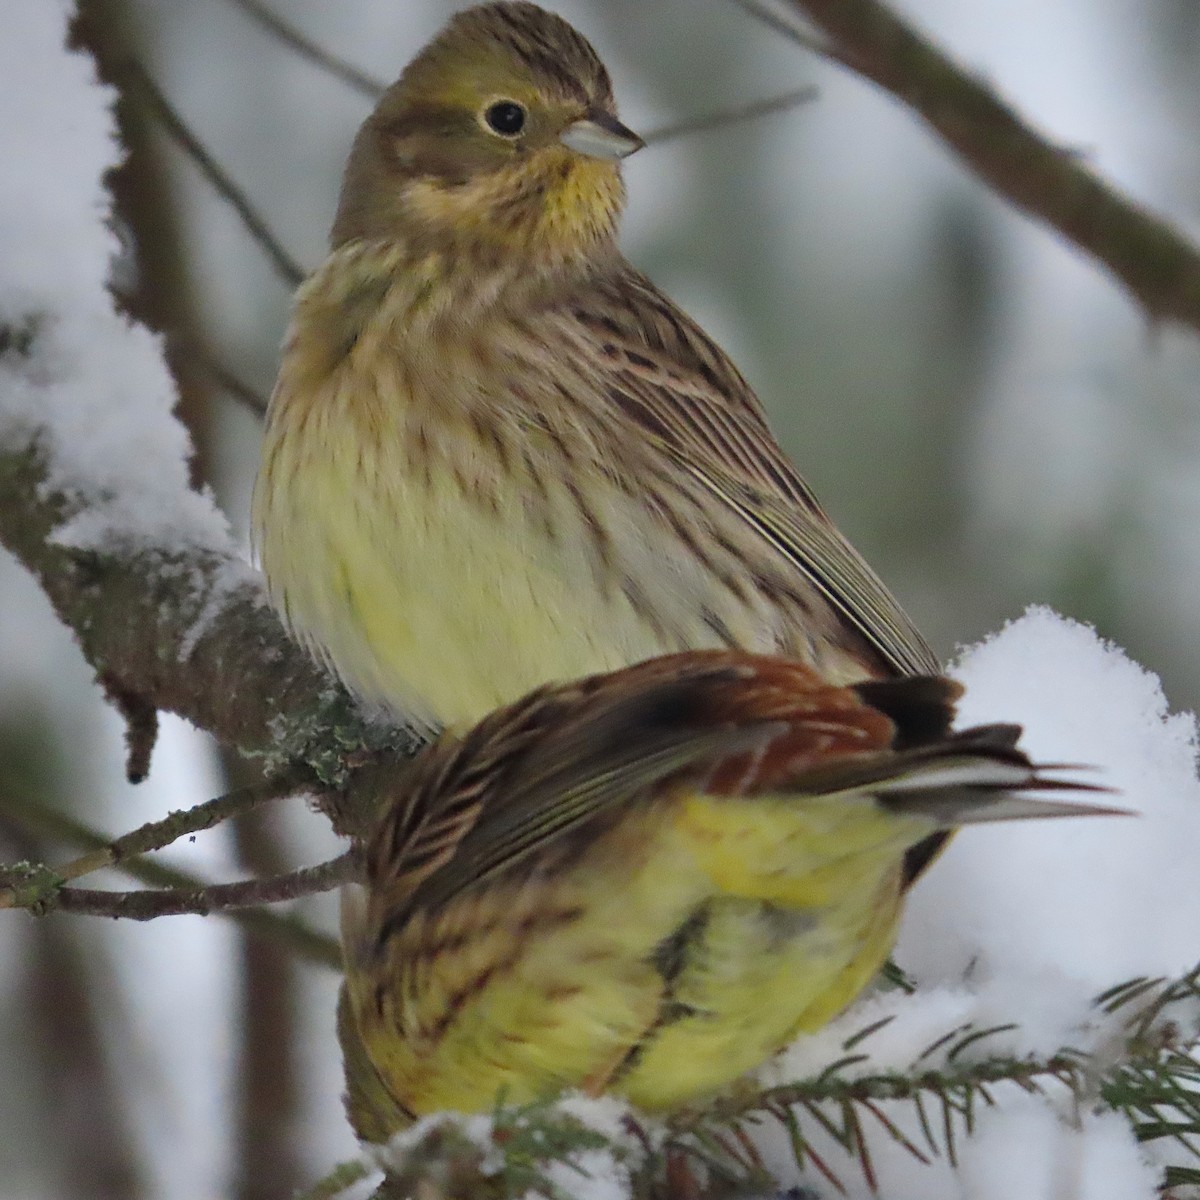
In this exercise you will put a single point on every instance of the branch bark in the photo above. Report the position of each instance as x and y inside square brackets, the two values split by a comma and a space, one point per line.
[149, 903]
[32, 819]
[1150, 257]
[191, 632]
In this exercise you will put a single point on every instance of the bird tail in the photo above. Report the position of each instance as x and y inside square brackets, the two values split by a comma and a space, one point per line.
[979, 775]
[971, 777]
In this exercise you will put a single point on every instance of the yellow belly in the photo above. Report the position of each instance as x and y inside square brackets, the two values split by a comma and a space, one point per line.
[431, 534]
[445, 610]
[446, 596]
[662, 966]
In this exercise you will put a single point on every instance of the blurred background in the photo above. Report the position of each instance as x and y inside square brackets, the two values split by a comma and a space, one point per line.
[981, 409]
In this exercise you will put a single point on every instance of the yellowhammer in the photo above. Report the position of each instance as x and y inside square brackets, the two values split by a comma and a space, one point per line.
[649, 881]
[496, 454]
[498, 457]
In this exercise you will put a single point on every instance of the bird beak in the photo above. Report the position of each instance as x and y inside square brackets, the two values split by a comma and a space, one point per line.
[600, 136]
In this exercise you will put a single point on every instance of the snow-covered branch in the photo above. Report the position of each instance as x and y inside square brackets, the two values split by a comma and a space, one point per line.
[185, 628]
[95, 497]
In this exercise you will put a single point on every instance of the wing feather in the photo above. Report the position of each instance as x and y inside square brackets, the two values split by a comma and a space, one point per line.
[527, 778]
[661, 372]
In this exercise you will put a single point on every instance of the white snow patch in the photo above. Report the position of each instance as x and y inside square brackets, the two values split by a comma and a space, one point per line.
[1069, 905]
[1025, 923]
[231, 577]
[1026, 1149]
[90, 387]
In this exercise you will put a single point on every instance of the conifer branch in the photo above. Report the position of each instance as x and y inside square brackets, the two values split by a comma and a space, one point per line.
[1150, 1075]
[1153, 1081]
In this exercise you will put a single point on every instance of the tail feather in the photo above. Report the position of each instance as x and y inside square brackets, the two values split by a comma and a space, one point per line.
[999, 740]
[980, 775]
[920, 706]
[951, 807]
[971, 777]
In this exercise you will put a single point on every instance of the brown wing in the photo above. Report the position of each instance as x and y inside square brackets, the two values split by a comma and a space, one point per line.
[675, 382]
[565, 759]
[666, 376]
[890, 739]
[530, 775]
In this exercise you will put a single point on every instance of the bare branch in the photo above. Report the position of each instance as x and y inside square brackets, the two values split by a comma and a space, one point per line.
[730, 116]
[288, 269]
[306, 941]
[200, 900]
[307, 48]
[156, 835]
[1150, 258]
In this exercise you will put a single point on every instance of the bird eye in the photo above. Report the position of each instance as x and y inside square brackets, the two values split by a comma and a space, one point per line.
[505, 117]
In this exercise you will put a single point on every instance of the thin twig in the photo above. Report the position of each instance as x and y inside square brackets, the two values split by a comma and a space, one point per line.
[150, 903]
[307, 48]
[306, 941]
[285, 265]
[225, 378]
[239, 389]
[731, 116]
[156, 834]
[760, 12]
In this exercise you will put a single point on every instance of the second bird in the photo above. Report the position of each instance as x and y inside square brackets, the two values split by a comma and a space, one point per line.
[496, 454]
[647, 882]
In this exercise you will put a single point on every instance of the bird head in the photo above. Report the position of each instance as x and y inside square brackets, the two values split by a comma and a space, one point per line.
[501, 133]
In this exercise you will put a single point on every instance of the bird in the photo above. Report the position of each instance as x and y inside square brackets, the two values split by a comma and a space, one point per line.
[496, 455]
[647, 882]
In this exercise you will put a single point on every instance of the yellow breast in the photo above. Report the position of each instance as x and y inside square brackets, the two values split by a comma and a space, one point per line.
[429, 539]
[440, 589]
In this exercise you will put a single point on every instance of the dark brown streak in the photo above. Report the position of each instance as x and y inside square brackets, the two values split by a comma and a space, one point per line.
[670, 959]
[536, 924]
[639, 412]
[645, 611]
[722, 631]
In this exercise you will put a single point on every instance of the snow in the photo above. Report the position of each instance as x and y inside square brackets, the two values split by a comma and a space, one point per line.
[1018, 925]
[598, 1174]
[1095, 901]
[1045, 1159]
[1026, 923]
[93, 389]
